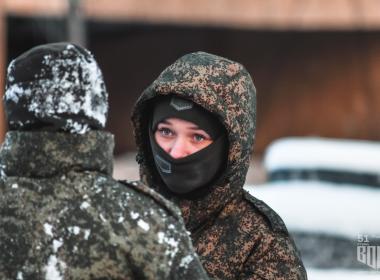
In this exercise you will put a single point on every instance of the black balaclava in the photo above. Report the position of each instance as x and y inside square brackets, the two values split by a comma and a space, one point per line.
[184, 175]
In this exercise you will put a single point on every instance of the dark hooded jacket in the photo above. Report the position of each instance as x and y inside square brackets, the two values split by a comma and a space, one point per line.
[62, 216]
[236, 235]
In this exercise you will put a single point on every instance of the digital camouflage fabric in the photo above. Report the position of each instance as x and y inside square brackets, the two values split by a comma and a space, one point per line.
[63, 217]
[236, 235]
[57, 86]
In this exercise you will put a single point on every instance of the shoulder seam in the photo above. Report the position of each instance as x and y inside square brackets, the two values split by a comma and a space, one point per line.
[274, 220]
[138, 186]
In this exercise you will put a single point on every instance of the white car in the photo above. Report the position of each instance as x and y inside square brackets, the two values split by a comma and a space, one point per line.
[328, 194]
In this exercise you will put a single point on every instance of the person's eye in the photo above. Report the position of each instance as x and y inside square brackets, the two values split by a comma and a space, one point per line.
[199, 137]
[165, 131]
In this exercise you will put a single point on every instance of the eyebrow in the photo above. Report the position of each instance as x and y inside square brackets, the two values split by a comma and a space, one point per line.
[193, 127]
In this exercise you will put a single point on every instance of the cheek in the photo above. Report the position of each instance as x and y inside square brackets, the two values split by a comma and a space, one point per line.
[194, 149]
[163, 142]
[197, 147]
[204, 144]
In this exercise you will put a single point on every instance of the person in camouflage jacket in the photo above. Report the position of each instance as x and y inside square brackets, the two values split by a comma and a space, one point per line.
[236, 235]
[62, 216]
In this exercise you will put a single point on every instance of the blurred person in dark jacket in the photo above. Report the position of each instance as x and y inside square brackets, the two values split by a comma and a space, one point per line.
[195, 129]
[62, 216]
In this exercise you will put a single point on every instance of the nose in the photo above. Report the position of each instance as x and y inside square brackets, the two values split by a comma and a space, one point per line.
[179, 148]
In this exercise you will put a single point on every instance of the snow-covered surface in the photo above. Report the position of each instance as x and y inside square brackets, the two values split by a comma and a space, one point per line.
[171, 243]
[134, 215]
[185, 261]
[74, 230]
[19, 276]
[48, 229]
[52, 272]
[144, 225]
[54, 265]
[313, 153]
[84, 205]
[319, 274]
[318, 207]
[59, 94]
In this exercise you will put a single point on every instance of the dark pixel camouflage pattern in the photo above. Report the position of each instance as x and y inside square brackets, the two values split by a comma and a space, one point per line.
[62, 216]
[236, 236]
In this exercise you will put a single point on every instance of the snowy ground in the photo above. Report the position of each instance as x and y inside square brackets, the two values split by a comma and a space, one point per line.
[318, 274]
[126, 167]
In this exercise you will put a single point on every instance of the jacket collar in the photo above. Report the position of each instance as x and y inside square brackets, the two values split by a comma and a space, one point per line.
[46, 154]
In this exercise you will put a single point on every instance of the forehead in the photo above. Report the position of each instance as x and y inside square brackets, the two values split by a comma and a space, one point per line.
[179, 123]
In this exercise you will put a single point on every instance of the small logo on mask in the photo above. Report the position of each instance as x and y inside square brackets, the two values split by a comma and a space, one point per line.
[163, 164]
[180, 104]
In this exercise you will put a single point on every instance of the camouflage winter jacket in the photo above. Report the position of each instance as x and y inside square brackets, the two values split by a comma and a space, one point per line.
[236, 235]
[63, 217]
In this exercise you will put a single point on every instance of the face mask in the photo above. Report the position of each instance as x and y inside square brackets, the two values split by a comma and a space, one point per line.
[197, 170]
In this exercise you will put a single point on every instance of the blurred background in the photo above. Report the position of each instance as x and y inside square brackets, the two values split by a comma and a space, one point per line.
[315, 63]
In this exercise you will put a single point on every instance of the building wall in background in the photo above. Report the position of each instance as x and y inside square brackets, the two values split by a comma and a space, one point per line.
[322, 83]
[308, 83]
